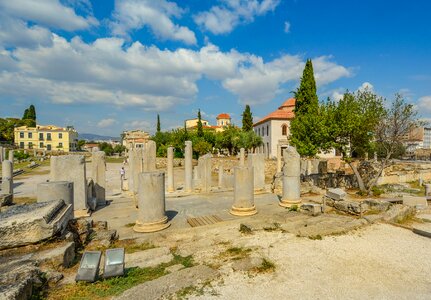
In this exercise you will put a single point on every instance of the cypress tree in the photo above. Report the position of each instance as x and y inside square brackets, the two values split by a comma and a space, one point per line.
[200, 127]
[247, 119]
[158, 123]
[25, 116]
[32, 113]
[306, 94]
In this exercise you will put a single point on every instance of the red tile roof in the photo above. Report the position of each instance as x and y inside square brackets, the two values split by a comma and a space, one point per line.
[223, 116]
[284, 112]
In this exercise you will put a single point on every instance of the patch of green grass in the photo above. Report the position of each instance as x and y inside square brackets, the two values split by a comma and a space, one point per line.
[115, 160]
[236, 253]
[315, 237]
[245, 229]
[377, 191]
[130, 224]
[196, 290]
[294, 208]
[266, 267]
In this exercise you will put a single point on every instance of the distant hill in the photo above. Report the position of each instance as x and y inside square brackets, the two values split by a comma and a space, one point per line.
[96, 137]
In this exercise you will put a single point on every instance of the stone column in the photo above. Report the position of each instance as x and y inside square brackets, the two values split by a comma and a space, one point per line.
[11, 157]
[170, 169]
[1, 154]
[55, 190]
[34, 153]
[149, 157]
[7, 177]
[188, 167]
[98, 166]
[291, 178]
[241, 157]
[427, 190]
[220, 176]
[205, 174]
[72, 168]
[151, 214]
[243, 204]
[279, 158]
[257, 161]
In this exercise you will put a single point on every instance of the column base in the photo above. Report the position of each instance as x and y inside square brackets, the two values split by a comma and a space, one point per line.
[151, 227]
[242, 212]
[290, 203]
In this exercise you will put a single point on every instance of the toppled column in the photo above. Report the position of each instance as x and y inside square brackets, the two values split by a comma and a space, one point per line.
[98, 166]
[205, 175]
[257, 161]
[55, 190]
[188, 167]
[151, 196]
[72, 168]
[7, 178]
[170, 169]
[279, 158]
[291, 178]
[243, 204]
[241, 157]
[149, 157]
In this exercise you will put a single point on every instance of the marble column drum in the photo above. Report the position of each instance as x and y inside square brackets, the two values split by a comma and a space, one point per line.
[151, 196]
[291, 178]
[243, 192]
[188, 167]
[170, 169]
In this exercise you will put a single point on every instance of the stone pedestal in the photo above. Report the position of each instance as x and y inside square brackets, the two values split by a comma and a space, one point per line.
[149, 157]
[241, 157]
[72, 168]
[291, 178]
[98, 165]
[188, 167]
[170, 169]
[243, 192]
[55, 190]
[257, 161]
[151, 197]
[7, 178]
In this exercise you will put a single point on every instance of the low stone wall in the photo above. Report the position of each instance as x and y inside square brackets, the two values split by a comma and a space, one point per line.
[403, 172]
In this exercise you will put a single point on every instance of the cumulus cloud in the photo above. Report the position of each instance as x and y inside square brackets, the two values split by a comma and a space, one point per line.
[106, 123]
[49, 13]
[286, 27]
[132, 15]
[424, 104]
[366, 86]
[223, 18]
[107, 71]
[137, 124]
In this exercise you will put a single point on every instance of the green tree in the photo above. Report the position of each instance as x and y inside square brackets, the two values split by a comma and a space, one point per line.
[32, 113]
[158, 123]
[306, 94]
[25, 115]
[247, 119]
[107, 148]
[81, 144]
[200, 130]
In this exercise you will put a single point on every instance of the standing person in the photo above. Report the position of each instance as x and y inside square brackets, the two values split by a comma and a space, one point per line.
[122, 176]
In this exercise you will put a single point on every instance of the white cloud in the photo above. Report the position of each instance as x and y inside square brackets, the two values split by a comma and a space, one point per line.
[107, 71]
[337, 96]
[286, 27]
[225, 17]
[106, 123]
[424, 104]
[15, 33]
[49, 13]
[137, 124]
[134, 15]
[366, 86]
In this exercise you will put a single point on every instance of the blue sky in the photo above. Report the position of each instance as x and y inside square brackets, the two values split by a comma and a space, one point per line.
[108, 66]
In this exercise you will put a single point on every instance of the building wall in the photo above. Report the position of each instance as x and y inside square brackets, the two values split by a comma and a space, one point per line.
[223, 122]
[427, 138]
[194, 122]
[271, 133]
[50, 138]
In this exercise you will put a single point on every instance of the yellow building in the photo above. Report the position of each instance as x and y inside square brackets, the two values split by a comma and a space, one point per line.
[134, 139]
[49, 138]
[192, 123]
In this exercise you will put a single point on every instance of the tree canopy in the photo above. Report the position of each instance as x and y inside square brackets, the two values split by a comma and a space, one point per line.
[200, 127]
[247, 119]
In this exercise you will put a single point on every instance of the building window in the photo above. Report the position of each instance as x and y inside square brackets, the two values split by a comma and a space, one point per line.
[21, 135]
[48, 147]
[41, 137]
[267, 130]
[60, 145]
[30, 145]
[258, 130]
[41, 145]
[21, 145]
[284, 129]
[30, 135]
[48, 136]
[60, 135]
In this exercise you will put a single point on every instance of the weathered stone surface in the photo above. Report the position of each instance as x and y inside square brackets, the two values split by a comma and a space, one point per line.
[53, 277]
[188, 167]
[170, 283]
[98, 166]
[418, 202]
[18, 279]
[336, 194]
[257, 161]
[6, 199]
[246, 264]
[55, 190]
[313, 209]
[373, 218]
[61, 256]
[104, 238]
[148, 258]
[204, 172]
[75, 166]
[7, 177]
[398, 213]
[379, 205]
[27, 224]
[174, 268]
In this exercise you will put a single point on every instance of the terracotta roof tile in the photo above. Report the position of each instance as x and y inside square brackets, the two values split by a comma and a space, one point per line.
[284, 112]
[223, 116]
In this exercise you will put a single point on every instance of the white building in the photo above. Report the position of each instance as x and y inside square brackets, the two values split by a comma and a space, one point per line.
[275, 128]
